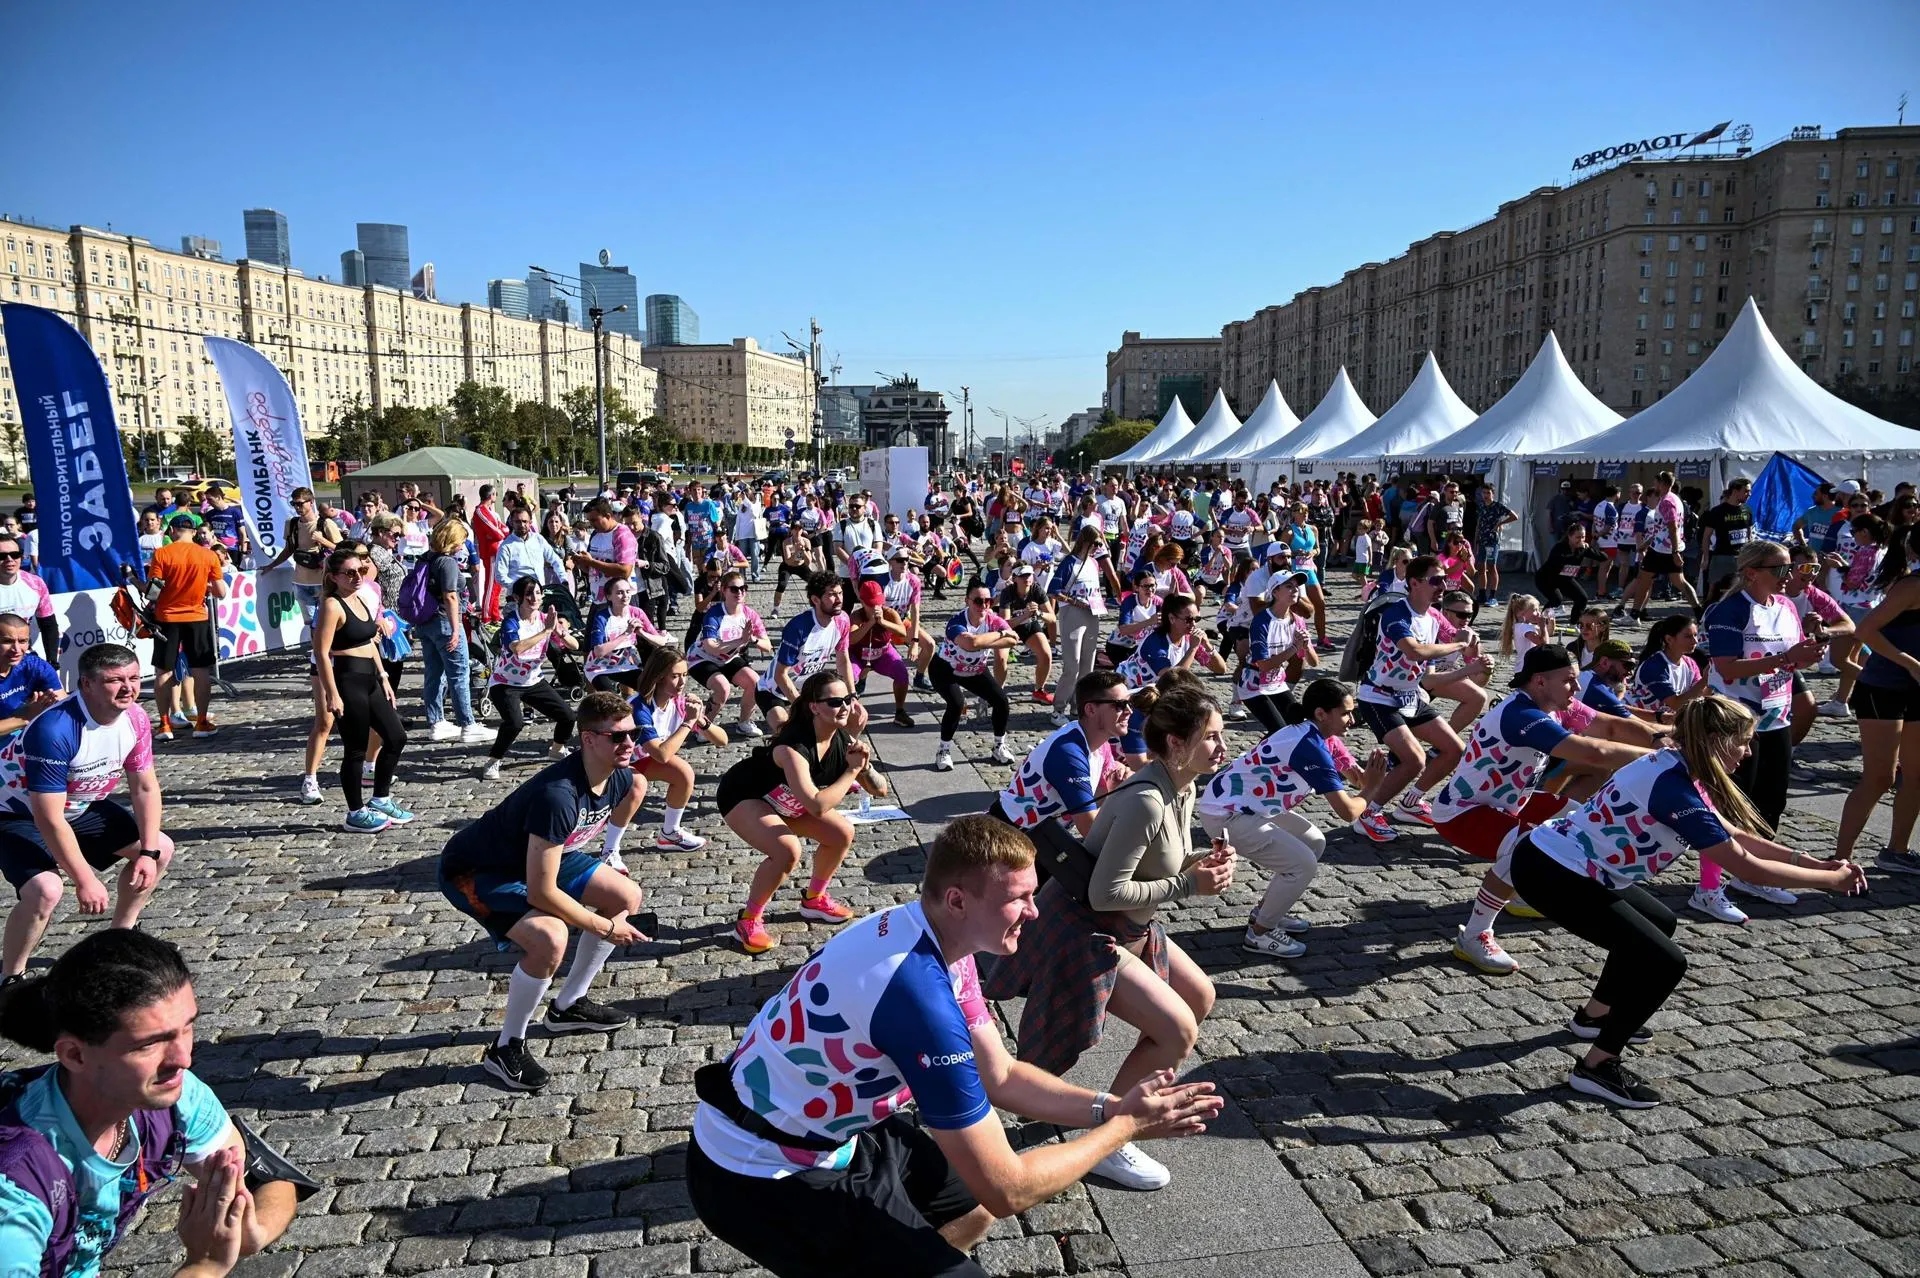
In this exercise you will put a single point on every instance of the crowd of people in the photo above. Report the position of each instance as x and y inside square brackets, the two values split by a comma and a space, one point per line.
[1174, 613]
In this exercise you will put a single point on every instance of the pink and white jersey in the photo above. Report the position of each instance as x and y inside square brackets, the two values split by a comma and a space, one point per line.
[66, 751]
[1268, 636]
[1504, 760]
[962, 661]
[807, 645]
[729, 628]
[623, 633]
[902, 593]
[1857, 591]
[27, 597]
[615, 546]
[1664, 524]
[1743, 628]
[1059, 778]
[1282, 772]
[1394, 678]
[520, 669]
[1645, 816]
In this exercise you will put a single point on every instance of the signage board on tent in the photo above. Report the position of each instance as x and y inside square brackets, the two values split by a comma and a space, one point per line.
[1611, 470]
[1545, 470]
[1483, 465]
[1693, 470]
[1303, 468]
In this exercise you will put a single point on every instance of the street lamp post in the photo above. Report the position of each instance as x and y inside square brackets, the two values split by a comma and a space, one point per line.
[598, 318]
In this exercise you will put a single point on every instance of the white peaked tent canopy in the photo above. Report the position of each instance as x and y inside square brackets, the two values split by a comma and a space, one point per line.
[1216, 427]
[1273, 419]
[1338, 417]
[1425, 414]
[1172, 428]
[1746, 402]
[1547, 408]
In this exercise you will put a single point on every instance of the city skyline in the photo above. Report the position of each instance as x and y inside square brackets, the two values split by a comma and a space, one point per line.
[1048, 214]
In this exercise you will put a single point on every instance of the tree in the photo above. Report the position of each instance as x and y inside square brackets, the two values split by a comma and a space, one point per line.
[542, 431]
[1103, 442]
[202, 446]
[351, 432]
[483, 417]
[403, 428]
[1899, 404]
[622, 422]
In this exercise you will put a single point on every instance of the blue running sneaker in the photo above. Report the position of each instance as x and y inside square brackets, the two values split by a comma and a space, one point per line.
[392, 811]
[366, 821]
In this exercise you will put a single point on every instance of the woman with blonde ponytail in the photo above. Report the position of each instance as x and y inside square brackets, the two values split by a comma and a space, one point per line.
[1587, 871]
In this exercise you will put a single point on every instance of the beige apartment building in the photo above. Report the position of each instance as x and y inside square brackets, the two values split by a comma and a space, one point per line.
[1145, 374]
[734, 393]
[143, 309]
[1638, 271]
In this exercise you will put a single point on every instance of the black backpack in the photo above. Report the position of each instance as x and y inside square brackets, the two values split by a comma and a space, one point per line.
[1357, 657]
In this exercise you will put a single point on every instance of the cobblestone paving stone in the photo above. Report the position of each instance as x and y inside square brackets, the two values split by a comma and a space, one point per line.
[1422, 1105]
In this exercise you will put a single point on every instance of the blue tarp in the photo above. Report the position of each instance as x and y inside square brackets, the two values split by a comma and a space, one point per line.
[1784, 489]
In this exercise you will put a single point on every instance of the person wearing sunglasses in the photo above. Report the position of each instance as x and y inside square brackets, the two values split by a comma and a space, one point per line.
[25, 595]
[1755, 642]
[1175, 644]
[527, 634]
[1064, 776]
[726, 631]
[664, 723]
[815, 639]
[527, 872]
[788, 789]
[1396, 708]
[964, 664]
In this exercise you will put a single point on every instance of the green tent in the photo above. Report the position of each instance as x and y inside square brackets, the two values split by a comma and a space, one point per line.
[440, 472]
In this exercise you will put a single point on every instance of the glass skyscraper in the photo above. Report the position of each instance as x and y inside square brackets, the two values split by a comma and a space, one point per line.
[671, 322]
[384, 246]
[267, 237]
[353, 268]
[608, 287]
[509, 296]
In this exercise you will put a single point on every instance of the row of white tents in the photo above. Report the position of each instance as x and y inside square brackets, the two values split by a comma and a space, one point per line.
[1747, 401]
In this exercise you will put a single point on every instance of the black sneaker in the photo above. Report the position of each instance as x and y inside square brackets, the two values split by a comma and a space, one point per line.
[1586, 1027]
[583, 1016]
[510, 1064]
[1893, 860]
[1613, 1082]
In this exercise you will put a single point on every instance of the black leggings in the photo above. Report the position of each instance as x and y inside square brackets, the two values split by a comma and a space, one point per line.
[627, 679]
[1275, 711]
[1555, 590]
[542, 696]
[364, 708]
[955, 687]
[1643, 964]
[1762, 775]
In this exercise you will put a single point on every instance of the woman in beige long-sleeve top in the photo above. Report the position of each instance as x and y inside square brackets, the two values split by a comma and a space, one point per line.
[1111, 954]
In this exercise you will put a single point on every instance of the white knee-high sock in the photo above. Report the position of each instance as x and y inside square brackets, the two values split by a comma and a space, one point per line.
[524, 992]
[588, 959]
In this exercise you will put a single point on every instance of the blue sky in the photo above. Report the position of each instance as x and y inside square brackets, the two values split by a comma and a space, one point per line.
[982, 194]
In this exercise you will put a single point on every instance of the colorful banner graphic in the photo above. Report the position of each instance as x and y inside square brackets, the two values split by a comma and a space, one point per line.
[269, 451]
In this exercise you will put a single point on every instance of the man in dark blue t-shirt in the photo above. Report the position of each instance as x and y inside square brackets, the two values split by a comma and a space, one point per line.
[28, 685]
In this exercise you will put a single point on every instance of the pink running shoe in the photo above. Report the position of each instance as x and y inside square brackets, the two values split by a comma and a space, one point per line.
[824, 909]
[1375, 826]
[753, 935]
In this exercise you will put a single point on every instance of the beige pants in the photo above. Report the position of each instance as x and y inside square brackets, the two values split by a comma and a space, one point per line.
[1286, 845]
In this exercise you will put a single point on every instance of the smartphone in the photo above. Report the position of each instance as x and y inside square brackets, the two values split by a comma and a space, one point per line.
[648, 922]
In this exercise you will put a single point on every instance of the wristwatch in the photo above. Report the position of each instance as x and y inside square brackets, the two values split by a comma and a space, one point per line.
[1100, 1108]
[152, 852]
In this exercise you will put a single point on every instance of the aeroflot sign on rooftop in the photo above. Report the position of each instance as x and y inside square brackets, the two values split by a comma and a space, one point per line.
[1647, 146]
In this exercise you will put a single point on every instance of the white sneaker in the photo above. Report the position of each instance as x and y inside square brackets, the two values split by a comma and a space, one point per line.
[1484, 951]
[309, 791]
[476, 731]
[445, 730]
[1059, 719]
[1128, 1168]
[1833, 710]
[492, 771]
[943, 760]
[615, 862]
[1238, 712]
[1772, 895]
[1000, 753]
[366, 774]
[558, 750]
[683, 840]
[180, 720]
[1716, 906]
[749, 728]
[1275, 943]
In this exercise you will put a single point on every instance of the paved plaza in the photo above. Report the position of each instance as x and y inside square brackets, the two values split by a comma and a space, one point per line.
[1391, 1111]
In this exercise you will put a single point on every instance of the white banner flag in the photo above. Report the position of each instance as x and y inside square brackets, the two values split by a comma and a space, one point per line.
[269, 451]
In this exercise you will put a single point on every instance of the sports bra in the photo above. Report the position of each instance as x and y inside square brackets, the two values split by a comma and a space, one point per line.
[354, 631]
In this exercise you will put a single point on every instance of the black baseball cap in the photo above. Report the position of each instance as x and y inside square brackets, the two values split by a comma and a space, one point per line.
[1540, 660]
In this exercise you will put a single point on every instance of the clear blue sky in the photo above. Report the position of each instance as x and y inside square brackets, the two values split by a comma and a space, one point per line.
[984, 194]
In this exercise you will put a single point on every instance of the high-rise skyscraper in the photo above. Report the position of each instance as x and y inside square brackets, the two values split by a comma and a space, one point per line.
[267, 237]
[671, 322]
[353, 268]
[509, 297]
[611, 286]
[384, 246]
[423, 283]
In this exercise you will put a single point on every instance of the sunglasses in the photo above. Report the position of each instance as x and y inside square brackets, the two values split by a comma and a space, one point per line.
[837, 703]
[11, 554]
[1436, 581]
[619, 736]
[981, 599]
[1103, 701]
[732, 587]
[1778, 570]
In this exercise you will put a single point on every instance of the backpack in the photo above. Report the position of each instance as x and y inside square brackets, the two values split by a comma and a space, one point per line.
[416, 604]
[1357, 657]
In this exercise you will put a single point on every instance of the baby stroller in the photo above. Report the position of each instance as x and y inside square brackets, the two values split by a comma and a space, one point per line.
[567, 669]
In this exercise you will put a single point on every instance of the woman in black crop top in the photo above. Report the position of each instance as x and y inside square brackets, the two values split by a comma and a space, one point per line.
[353, 682]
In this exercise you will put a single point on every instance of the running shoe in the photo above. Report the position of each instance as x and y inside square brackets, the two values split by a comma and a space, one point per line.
[1833, 710]
[309, 791]
[1044, 697]
[1413, 807]
[750, 728]
[366, 821]
[901, 719]
[476, 731]
[205, 727]
[510, 1063]
[163, 731]
[1238, 713]
[1128, 1168]
[615, 862]
[1716, 906]
[583, 1016]
[824, 909]
[1000, 753]
[180, 719]
[1769, 894]
[1897, 861]
[491, 771]
[366, 773]
[680, 841]
[1587, 1028]
[1521, 910]
[1327, 645]
[1614, 1082]
[558, 750]
[1483, 951]
[922, 684]
[1274, 944]
[943, 760]
[753, 935]
[1293, 926]
[392, 811]
[1374, 825]
[445, 730]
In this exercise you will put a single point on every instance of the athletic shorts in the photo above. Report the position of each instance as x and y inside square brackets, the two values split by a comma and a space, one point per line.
[103, 830]
[1611, 552]
[1235, 636]
[1800, 688]
[194, 638]
[881, 1214]
[704, 670]
[1869, 702]
[1381, 720]
[1030, 627]
[1480, 830]
[1654, 562]
[497, 901]
[767, 701]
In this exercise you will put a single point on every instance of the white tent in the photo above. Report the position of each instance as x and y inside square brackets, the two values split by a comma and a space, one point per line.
[1269, 422]
[1548, 408]
[1338, 417]
[1215, 428]
[1745, 403]
[1172, 428]
[1425, 414]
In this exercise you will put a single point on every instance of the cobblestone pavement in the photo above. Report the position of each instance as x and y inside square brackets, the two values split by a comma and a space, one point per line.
[1420, 1104]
